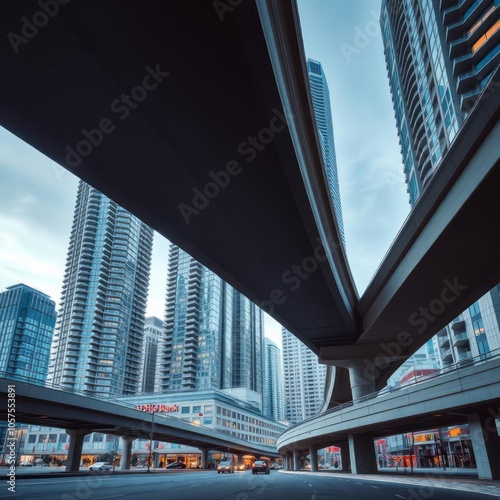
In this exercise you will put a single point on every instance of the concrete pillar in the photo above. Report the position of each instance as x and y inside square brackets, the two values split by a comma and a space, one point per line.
[126, 452]
[362, 454]
[345, 457]
[361, 378]
[75, 448]
[236, 459]
[313, 458]
[296, 460]
[204, 458]
[485, 444]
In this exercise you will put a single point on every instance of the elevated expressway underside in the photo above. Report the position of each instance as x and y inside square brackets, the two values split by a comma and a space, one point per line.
[200, 123]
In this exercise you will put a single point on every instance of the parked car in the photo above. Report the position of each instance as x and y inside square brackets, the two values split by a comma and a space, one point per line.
[176, 465]
[101, 466]
[225, 466]
[260, 466]
[26, 464]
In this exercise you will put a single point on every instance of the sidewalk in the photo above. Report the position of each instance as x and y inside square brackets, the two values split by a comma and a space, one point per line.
[423, 479]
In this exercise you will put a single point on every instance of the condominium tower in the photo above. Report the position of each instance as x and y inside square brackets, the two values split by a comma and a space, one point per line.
[274, 396]
[153, 330]
[440, 55]
[304, 379]
[98, 340]
[323, 115]
[27, 320]
[213, 335]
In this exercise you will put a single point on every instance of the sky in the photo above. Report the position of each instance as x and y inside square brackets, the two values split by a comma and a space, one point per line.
[37, 196]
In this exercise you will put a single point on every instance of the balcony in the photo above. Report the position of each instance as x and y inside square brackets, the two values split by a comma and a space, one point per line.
[460, 339]
[464, 357]
[458, 324]
[444, 341]
[446, 355]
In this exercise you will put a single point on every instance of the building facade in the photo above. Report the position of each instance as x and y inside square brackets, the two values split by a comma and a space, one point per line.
[440, 55]
[213, 336]
[98, 340]
[153, 330]
[304, 379]
[27, 320]
[324, 123]
[274, 395]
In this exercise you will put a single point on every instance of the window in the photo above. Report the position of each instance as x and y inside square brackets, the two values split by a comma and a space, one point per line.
[185, 410]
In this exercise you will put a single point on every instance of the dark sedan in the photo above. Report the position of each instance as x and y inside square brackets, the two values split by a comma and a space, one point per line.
[260, 466]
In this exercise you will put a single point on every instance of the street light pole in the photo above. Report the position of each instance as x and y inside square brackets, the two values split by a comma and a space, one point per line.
[151, 440]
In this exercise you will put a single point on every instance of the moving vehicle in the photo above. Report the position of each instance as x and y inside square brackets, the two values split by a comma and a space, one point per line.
[260, 466]
[176, 465]
[101, 466]
[225, 466]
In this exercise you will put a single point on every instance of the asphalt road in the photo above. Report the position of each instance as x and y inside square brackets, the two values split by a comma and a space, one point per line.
[208, 485]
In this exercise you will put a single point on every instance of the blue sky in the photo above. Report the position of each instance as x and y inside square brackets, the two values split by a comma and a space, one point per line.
[37, 196]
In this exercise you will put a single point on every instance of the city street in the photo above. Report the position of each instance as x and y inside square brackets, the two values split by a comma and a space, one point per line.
[207, 485]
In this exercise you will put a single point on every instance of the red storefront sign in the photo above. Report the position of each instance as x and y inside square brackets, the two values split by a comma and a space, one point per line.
[158, 408]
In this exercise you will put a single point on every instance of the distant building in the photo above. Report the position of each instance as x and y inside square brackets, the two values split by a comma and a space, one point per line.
[274, 397]
[304, 379]
[324, 123]
[98, 340]
[153, 330]
[213, 337]
[27, 320]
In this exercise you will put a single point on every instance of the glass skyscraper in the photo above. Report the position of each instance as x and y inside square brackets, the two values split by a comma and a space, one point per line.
[27, 320]
[213, 335]
[304, 379]
[440, 54]
[97, 346]
[323, 115]
[153, 330]
[274, 395]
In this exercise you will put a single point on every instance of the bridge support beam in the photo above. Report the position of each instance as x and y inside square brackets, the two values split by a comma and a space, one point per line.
[362, 454]
[204, 458]
[75, 448]
[313, 458]
[362, 378]
[485, 443]
[288, 461]
[127, 452]
[296, 460]
[345, 457]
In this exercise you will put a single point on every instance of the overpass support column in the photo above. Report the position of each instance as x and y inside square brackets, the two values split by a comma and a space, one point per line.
[361, 377]
[362, 454]
[127, 452]
[288, 461]
[75, 448]
[296, 460]
[485, 444]
[236, 459]
[204, 458]
[345, 457]
[313, 457]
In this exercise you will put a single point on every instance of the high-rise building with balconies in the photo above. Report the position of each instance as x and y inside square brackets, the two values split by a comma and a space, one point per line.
[213, 336]
[324, 123]
[274, 396]
[27, 320]
[440, 55]
[97, 345]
